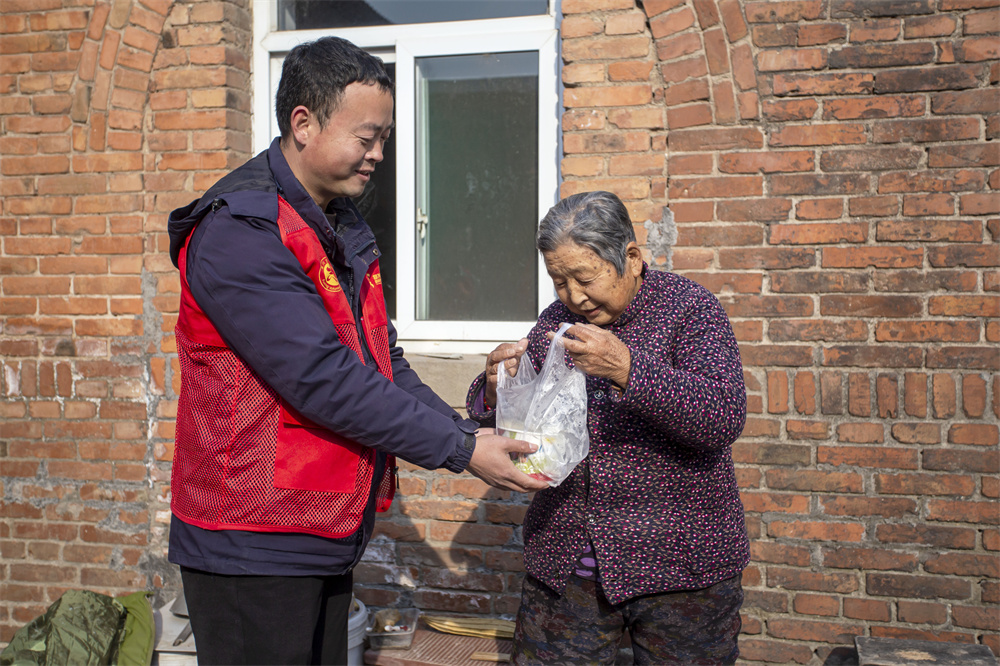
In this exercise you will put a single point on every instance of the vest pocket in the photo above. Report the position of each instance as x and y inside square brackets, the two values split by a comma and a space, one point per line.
[308, 457]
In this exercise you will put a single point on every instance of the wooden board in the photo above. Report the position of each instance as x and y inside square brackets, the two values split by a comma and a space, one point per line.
[433, 648]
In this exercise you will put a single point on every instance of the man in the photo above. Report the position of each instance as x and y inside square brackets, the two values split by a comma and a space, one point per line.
[294, 396]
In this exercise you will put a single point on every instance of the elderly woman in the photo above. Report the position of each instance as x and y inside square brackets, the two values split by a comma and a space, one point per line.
[647, 534]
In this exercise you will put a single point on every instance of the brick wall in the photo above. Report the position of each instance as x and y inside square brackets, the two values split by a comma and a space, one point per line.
[829, 168]
[112, 115]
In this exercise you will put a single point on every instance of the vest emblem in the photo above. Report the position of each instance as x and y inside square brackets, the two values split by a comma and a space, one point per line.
[327, 276]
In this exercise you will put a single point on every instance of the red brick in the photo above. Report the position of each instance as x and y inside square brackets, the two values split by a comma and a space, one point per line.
[986, 255]
[930, 281]
[973, 395]
[980, 22]
[774, 651]
[813, 481]
[820, 233]
[814, 34]
[689, 116]
[928, 204]
[954, 77]
[715, 139]
[976, 618]
[820, 209]
[769, 162]
[798, 579]
[919, 612]
[967, 306]
[678, 46]
[867, 609]
[816, 604]
[819, 185]
[963, 511]
[867, 559]
[816, 531]
[790, 109]
[811, 282]
[873, 206]
[887, 396]
[880, 257]
[917, 587]
[943, 537]
[924, 484]
[859, 394]
[980, 204]
[813, 84]
[981, 154]
[684, 69]
[870, 306]
[868, 457]
[791, 59]
[666, 24]
[922, 635]
[964, 564]
[870, 159]
[818, 135]
[882, 55]
[716, 51]
[763, 551]
[763, 210]
[916, 433]
[629, 71]
[825, 632]
[974, 434]
[860, 433]
[805, 393]
[594, 48]
[875, 30]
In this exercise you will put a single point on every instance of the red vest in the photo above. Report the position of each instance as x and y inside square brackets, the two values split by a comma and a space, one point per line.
[243, 459]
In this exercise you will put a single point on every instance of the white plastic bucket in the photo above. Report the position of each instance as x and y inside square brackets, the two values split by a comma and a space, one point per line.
[357, 621]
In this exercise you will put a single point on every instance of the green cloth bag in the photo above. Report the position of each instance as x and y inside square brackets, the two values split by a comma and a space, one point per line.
[85, 628]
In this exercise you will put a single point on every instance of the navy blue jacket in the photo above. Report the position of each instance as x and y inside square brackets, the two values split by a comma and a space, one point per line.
[266, 308]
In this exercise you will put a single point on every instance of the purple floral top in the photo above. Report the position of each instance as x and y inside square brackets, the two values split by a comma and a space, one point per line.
[657, 496]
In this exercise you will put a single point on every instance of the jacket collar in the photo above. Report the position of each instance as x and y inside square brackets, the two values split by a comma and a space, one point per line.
[638, 303]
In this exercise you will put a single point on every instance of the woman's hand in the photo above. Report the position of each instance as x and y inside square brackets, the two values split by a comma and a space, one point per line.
[598, 352]
[509, 353]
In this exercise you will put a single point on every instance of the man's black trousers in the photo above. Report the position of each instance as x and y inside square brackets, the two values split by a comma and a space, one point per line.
[268, 619]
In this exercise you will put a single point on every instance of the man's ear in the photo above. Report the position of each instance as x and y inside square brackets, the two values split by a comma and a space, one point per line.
[301, 124]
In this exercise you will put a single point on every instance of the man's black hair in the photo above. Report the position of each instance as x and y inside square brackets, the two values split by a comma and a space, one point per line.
[315, 75]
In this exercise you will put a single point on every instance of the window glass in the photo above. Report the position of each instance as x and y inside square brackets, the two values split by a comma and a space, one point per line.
[477, 186]
[312, 14]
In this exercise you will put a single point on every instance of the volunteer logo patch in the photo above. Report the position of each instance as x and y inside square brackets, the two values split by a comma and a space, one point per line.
[327, 276]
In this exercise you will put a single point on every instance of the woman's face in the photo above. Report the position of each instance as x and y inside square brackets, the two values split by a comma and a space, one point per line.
[590, 286]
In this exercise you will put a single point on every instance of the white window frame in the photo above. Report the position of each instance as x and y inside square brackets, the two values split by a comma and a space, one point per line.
[403, 44]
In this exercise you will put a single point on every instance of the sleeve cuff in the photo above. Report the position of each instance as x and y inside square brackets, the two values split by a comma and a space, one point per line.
[475, 403]
[460, 457]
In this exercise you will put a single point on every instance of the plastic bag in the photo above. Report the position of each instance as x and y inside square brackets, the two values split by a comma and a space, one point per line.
[548, 409]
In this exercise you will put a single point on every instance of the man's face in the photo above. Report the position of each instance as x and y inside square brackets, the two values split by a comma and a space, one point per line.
[338, 160]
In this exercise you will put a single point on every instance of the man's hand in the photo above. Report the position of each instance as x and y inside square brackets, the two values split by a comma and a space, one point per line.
[509, 353]
[492, 464]
[598, 352]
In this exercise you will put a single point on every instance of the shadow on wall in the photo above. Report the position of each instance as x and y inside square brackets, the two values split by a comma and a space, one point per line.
[450, 544]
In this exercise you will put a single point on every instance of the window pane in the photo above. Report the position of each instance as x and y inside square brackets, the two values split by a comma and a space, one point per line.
[478, 186]
[312, 14]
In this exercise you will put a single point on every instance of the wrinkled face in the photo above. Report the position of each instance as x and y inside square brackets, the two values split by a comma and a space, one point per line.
[590, 286]
[339, 159]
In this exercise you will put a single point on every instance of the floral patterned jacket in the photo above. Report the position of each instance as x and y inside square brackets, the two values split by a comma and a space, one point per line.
[657, 495]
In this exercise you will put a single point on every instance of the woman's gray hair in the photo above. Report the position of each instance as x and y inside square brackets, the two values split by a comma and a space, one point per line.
[595, 220]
